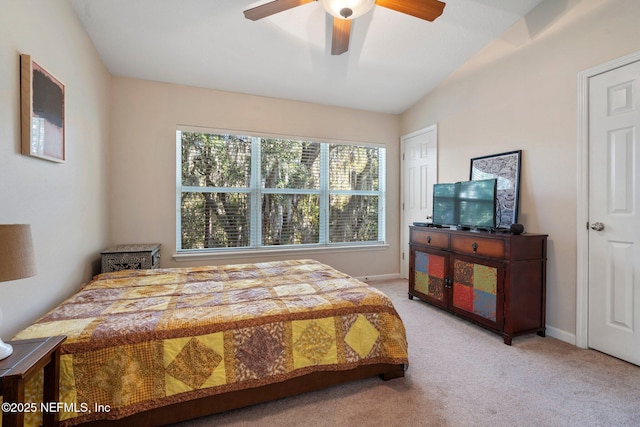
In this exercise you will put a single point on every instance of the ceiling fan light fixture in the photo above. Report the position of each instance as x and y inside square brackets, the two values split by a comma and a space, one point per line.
[347, 9]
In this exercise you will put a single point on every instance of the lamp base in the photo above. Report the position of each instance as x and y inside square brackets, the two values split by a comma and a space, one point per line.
[5, 350]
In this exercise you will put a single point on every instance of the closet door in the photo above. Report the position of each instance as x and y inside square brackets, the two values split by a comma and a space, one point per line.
[614, 213]
[419, 173]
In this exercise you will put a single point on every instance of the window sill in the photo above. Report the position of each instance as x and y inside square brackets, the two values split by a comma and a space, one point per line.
[257, 253]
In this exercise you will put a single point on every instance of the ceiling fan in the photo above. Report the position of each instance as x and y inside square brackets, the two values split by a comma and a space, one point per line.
[344, 11]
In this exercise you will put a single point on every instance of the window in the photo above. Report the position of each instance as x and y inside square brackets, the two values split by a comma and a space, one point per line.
[253, 192]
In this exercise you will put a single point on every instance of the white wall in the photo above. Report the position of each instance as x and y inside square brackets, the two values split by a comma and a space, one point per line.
[145, 116]
[521, 93]
[64, 203]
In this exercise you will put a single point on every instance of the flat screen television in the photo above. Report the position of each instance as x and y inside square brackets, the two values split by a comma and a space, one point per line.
[466, 204]
[444, 204]
[477, 203]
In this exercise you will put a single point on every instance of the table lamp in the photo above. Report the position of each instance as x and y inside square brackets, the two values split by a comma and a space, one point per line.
[16, 262]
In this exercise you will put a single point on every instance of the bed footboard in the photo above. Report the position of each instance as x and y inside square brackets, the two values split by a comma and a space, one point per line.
[242, 398]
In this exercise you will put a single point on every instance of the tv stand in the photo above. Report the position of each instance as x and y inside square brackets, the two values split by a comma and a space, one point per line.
[495, 280]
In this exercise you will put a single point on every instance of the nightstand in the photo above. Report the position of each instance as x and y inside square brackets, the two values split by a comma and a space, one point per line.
[29, 356]
[131, 257]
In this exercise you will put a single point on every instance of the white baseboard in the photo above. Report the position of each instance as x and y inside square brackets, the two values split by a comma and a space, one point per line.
[379, 277]
[561, 335]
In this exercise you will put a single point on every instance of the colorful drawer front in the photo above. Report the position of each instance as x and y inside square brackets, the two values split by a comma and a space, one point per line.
[475, 287]
[429, 275]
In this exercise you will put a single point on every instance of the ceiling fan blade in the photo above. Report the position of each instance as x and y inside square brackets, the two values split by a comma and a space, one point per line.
[423, 9]
[273, 7]
[341, 34]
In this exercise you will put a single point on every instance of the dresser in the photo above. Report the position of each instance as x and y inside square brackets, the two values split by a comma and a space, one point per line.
[495, 280]
[131, 257]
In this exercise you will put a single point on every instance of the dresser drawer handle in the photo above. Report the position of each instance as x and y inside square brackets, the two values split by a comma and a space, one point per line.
[428, 240]
[474, 246]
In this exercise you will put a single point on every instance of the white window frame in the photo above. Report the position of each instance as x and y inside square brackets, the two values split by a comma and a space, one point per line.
[256, 192]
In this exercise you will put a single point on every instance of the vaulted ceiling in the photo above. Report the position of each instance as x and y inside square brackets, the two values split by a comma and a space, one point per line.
[393, 59]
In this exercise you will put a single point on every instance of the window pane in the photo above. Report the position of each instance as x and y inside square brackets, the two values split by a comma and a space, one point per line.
[353, 168]
[290, 164]
[223, 199]
[210, 160]
[289, 219]
[215, 220]
[353, 219]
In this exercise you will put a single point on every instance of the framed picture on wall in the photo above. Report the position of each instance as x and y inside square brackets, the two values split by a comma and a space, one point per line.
[42, 112]
[505, 167]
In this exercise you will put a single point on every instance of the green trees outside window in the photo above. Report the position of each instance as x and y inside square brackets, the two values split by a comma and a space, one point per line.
[251, 192]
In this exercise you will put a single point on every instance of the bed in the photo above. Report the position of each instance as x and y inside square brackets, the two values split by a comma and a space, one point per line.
[151, 347]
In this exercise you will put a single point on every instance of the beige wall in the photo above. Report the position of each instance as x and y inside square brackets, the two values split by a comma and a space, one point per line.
[518, 93]
[64, 203]
[145, 116]
[521, 93]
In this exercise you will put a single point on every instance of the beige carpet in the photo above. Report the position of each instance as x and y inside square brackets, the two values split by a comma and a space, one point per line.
[463, 375]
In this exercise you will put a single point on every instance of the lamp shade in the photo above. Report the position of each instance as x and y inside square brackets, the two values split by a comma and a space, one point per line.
[16, 252]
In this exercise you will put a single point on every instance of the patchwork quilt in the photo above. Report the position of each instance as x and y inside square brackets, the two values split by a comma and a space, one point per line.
[140, 339]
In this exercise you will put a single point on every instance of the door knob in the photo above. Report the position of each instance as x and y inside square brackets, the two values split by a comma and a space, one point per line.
[597, 226]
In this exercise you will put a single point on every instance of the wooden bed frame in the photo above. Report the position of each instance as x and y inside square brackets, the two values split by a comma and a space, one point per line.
[238, 399]
[194, 398]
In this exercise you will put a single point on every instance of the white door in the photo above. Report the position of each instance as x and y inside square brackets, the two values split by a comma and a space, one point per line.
[614, 213]
[419, 173]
